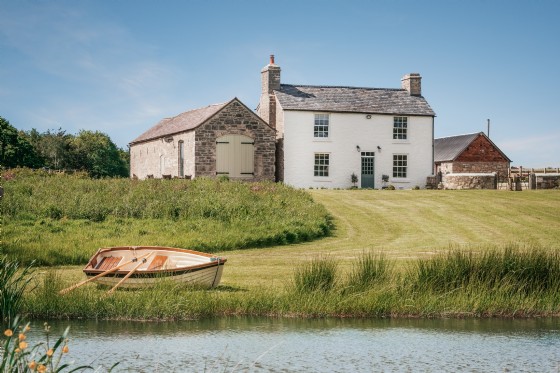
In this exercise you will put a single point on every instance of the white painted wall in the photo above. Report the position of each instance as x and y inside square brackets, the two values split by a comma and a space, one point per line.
[348, 130]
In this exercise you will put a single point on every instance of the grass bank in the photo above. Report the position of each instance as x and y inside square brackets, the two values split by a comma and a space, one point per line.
[58, 219]
[511, 282]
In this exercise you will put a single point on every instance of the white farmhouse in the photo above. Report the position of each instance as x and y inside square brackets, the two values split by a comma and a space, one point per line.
[325, 134]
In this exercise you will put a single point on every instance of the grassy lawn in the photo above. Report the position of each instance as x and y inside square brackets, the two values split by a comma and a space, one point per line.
[406, 225]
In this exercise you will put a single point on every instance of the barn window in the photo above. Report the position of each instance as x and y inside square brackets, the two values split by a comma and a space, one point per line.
[181, 158]
[400, 128]
[235, 156]
[400, 165]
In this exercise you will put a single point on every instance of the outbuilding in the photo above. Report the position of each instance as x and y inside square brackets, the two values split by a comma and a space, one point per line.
[470, 161]
[225, 139]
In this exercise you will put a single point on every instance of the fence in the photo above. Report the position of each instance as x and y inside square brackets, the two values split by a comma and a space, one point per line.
[520, 178]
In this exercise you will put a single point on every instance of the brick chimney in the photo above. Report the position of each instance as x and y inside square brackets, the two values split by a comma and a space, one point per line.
[270, 81]
[412, 83]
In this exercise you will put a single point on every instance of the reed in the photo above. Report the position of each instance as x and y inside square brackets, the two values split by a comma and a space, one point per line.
[529, 269]
[369, 270]
[14, 281]
[317, 275]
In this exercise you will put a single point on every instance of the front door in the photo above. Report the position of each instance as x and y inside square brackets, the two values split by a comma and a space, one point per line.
[368, 168]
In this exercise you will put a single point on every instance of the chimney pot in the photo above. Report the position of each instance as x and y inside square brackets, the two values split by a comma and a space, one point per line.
[272, 59]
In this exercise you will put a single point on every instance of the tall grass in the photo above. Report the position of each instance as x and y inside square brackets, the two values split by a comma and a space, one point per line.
[319, 274]
[370, 269]
[531, 270]
[479, 283]
[62, 219]
[13, 283]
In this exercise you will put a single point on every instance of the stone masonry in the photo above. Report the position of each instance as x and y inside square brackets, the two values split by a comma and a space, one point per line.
[236, 119]
[469, 181]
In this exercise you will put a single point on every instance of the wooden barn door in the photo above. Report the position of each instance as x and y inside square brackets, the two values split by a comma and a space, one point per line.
[235, 156]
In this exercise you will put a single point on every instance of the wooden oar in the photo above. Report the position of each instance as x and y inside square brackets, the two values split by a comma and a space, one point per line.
[144, 260]
[64, 291]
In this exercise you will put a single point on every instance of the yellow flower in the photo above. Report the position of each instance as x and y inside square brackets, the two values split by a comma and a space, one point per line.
[41, 368]
[32, 365]
[8, 332]
[18, 350]
[23, 345]
[22, 336]
[65, 349]
[26, 329]
[50, 352]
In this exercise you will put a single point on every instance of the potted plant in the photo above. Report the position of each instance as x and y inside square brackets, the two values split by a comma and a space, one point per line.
[354, 179]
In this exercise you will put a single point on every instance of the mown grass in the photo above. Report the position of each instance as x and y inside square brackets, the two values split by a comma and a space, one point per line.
[452, 284]
[58, 219]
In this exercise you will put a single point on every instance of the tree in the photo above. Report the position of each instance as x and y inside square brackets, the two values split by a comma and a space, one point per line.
[54, 147]
[95, 153]
[15, 149]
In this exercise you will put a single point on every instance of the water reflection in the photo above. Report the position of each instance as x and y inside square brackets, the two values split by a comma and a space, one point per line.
[293, 345]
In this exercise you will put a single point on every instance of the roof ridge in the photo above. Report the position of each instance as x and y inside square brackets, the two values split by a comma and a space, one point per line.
[342, 86]
[192, 110]
[465, 134]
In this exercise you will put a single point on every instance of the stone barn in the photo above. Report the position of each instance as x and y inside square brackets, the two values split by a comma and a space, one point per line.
[223, 139]
[469, 161]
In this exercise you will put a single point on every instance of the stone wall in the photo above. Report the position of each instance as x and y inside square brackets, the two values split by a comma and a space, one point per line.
[236, 119]
[544, 181]
[469, 181]
[459, 167]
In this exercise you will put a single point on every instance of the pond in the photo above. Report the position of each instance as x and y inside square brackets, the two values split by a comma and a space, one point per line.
[290, 345]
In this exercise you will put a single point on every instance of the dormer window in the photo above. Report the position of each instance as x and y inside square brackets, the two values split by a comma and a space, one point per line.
[400, 128]
[321, 128]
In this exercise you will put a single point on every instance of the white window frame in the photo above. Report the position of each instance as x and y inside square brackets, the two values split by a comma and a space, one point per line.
[321, 126]
[321, 164]
[400, 166]
[400, 128]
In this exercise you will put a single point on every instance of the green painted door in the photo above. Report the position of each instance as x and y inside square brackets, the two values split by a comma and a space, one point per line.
[368, 170]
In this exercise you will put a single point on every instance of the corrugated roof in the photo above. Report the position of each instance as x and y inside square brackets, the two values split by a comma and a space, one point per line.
[180, 123]
[352, 99]
[449, 148]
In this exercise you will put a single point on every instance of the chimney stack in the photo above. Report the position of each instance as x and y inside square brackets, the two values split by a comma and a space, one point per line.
[270, 82]
[412, 83]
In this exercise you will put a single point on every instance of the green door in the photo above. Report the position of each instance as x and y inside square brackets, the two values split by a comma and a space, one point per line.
[368, 170]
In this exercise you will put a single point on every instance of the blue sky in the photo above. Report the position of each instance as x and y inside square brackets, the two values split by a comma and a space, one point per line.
[120, 66]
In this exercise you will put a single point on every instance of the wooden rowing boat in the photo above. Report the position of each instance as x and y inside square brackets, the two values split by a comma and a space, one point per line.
[141, 266]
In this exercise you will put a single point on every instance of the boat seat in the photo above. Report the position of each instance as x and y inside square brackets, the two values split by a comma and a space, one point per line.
[108, 262]
[157, 263]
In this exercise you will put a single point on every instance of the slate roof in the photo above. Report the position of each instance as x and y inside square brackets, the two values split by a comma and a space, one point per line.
[180, 123]
[352, 100]
[449, 148]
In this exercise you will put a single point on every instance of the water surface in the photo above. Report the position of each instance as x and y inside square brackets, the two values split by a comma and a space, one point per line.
[285, 345]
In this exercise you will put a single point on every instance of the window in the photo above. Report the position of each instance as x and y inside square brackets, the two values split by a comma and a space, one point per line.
[321, 128]
[400, 128]
[181, 158]
[400, 165]
[321, 164]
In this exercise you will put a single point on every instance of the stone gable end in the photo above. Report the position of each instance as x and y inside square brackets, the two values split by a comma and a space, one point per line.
[235, 119]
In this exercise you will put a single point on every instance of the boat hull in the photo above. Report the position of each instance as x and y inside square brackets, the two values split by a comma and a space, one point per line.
[143, 266]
